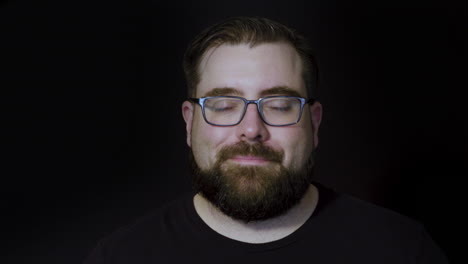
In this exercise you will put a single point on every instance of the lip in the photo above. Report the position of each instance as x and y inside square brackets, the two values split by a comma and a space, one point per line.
[249, 160]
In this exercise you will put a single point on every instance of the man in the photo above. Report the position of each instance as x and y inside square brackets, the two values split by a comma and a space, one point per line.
[252, 127]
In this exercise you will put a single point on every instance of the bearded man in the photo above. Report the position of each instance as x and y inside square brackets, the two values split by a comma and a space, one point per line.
[252, 127]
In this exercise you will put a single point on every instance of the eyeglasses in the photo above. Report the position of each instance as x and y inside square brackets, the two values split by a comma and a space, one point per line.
[273, 110]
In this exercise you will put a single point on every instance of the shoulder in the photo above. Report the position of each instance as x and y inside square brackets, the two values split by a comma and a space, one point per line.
[357, 220]
[350, 210]
[144, 234]
[372, 230]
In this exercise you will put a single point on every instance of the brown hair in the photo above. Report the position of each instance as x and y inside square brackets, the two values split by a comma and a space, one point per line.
[253, 31]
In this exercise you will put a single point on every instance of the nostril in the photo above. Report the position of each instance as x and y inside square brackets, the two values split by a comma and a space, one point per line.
[254, 139]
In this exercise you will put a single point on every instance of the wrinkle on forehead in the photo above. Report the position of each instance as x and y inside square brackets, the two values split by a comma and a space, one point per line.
[288, 65]
[276, 90]
[296, 60]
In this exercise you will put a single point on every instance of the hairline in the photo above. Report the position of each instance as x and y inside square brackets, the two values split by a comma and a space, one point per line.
[252, 44]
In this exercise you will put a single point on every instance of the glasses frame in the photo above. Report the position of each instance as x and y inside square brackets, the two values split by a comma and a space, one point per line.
[201, 101]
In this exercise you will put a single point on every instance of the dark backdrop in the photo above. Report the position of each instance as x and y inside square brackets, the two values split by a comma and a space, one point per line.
[93, 136]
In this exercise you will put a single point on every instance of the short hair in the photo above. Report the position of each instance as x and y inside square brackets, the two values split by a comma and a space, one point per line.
[252, 31]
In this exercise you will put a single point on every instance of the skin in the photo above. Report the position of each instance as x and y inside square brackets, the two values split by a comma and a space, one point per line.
[251, 72]
[266, 69]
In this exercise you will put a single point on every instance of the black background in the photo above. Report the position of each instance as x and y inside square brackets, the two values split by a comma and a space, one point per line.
[93, 136]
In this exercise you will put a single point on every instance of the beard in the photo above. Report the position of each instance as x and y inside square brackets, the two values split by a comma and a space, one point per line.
[251, 193]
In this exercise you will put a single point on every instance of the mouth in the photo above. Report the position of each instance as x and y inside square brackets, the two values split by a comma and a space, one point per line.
[249, 160]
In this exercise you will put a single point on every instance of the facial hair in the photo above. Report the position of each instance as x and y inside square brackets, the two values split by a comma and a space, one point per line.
[251, 193]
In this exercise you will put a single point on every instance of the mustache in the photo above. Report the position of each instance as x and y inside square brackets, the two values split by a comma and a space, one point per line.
[245, 149]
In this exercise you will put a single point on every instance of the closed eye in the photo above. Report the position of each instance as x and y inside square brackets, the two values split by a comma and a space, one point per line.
[220, 109]
[281, 109]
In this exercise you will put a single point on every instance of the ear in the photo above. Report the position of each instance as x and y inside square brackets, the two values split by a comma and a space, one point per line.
[316, 118]
[187, 112]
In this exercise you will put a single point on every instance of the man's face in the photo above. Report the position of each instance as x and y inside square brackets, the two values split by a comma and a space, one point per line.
[251, 146]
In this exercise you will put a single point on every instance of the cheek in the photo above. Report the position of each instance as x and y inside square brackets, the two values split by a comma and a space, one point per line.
[206, 140]
[297, 143]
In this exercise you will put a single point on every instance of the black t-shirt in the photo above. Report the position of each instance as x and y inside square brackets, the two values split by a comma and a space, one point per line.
[342, 229]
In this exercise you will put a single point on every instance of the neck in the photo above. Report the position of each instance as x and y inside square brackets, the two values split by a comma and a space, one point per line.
[257, 231]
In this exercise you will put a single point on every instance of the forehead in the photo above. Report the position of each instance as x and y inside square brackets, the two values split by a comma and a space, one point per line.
[250, 71]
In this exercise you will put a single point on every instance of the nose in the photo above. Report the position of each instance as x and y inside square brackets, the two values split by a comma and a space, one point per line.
[252, 129]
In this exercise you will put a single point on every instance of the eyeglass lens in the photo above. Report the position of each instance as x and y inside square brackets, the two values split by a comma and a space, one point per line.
[274, 111]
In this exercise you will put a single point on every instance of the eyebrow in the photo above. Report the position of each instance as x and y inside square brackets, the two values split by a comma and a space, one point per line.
[280, 90]
[222, 91]
[276, 90]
